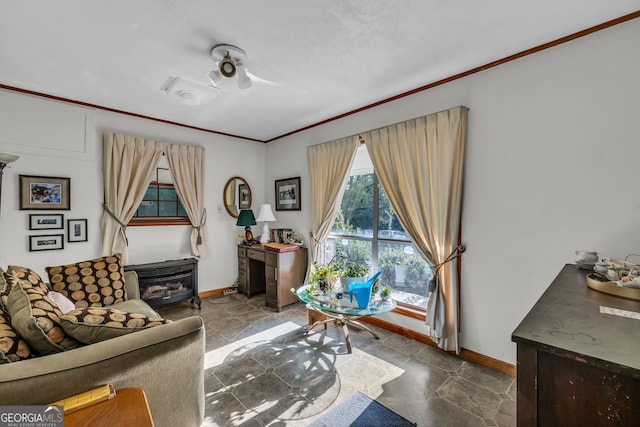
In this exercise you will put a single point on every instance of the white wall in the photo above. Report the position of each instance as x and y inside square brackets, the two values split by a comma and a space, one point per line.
[552, 166]
[57, 139]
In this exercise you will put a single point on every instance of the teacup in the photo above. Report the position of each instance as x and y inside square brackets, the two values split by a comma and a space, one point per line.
[587, 257]
[601, 267]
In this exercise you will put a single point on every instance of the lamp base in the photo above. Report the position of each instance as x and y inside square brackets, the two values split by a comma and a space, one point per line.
[266, 236]
[248, 235]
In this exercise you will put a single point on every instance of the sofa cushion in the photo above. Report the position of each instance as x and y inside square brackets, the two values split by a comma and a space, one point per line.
[12, 347]
[34, 315]
[136, 306]
[93, 324]
[97, 282]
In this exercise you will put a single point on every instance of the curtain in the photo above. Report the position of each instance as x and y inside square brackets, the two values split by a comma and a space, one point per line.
[329, 166]
[186, 164]
[128, 166]
[420, 166]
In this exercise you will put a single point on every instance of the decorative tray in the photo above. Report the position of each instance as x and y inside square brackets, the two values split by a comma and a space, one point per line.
[612, 288]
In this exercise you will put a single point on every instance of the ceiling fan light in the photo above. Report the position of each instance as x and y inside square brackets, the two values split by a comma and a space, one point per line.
[244, 81]
[214, 77]
[227, 66]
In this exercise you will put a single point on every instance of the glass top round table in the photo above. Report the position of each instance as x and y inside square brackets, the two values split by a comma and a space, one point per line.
[342, 309]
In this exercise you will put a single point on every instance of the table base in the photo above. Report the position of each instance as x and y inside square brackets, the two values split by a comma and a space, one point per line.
[339, 319]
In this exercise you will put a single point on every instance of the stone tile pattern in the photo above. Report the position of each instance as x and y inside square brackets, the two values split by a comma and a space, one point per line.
[262, 369]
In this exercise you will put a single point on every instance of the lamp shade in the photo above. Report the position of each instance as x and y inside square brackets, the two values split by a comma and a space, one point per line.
[246, 218]
[265, 213]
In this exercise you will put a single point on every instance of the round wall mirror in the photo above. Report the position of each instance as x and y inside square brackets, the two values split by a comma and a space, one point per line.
[236, 196]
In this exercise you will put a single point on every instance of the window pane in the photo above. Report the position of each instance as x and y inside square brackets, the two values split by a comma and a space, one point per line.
[405, 271]
[355, 217]
[181, 210]
[167, 194]
[389, 226]
[151, 193]
[353, 249]
[148, 208]
[168, 209]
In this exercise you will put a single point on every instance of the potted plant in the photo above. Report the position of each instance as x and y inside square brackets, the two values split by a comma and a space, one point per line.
[352, 272]
[385, 293]
[323, 276]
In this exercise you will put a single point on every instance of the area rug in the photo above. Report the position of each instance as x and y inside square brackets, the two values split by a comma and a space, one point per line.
[359, 410]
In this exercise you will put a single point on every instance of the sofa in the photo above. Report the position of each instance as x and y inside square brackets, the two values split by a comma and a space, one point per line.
[166, 361]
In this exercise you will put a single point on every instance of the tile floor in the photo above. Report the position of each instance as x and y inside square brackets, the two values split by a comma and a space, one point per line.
[262, 370]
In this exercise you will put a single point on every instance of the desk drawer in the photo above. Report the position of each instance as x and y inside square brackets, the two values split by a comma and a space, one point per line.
[242, 263]
[271, 259]
[257, 255]
[242, 252]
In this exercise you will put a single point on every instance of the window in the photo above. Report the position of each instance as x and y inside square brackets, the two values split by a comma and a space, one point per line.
[161, 204]
[367, 229]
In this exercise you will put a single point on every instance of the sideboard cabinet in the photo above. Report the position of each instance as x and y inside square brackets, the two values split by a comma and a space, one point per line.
[578, 366]
[263, 270]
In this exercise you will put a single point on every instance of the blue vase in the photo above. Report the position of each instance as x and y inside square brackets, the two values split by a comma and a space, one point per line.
[362, 291]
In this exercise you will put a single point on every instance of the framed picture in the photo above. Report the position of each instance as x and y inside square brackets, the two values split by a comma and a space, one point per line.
[288, 194]
[48, 242]
[244, 196]
[44, 193]
[46, 222]
[77, 230]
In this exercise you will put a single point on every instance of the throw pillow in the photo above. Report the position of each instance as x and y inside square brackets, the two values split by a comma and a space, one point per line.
[94, 324]
[12, 347]
[35, 316]
[22, 273]
[97, 282]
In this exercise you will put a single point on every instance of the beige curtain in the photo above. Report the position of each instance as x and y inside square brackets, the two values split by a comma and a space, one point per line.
[420, 165]
[329, 166]
[128, 166]
[186, 163]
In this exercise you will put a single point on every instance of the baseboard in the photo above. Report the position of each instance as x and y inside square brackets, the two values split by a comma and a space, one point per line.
[213, 293]
[466, 354]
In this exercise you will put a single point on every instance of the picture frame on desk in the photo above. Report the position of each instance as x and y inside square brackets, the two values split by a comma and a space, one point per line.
[280, 235]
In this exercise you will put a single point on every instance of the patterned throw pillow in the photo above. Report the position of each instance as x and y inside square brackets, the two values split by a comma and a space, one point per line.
[94, 283]
[22, 273]
[94, 324]
[12, 347]
[34, 315]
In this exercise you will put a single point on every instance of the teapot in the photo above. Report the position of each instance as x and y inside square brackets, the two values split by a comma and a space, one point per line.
[587, 257]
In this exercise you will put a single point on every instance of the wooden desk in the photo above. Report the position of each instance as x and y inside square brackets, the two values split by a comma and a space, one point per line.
[577, 366]
[129, 408]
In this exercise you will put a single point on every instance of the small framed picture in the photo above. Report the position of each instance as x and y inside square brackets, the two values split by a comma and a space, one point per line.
[46, 222]
[48, 242]
[288, 194]
[44, 193]
[244, 196]
[77, 230]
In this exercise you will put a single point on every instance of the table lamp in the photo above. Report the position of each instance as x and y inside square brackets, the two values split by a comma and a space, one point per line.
[266, 215]
[246, 220]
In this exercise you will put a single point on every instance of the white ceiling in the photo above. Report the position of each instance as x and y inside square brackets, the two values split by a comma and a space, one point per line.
[318, 59]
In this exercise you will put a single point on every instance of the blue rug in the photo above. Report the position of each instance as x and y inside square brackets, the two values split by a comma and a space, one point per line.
[359, 410]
